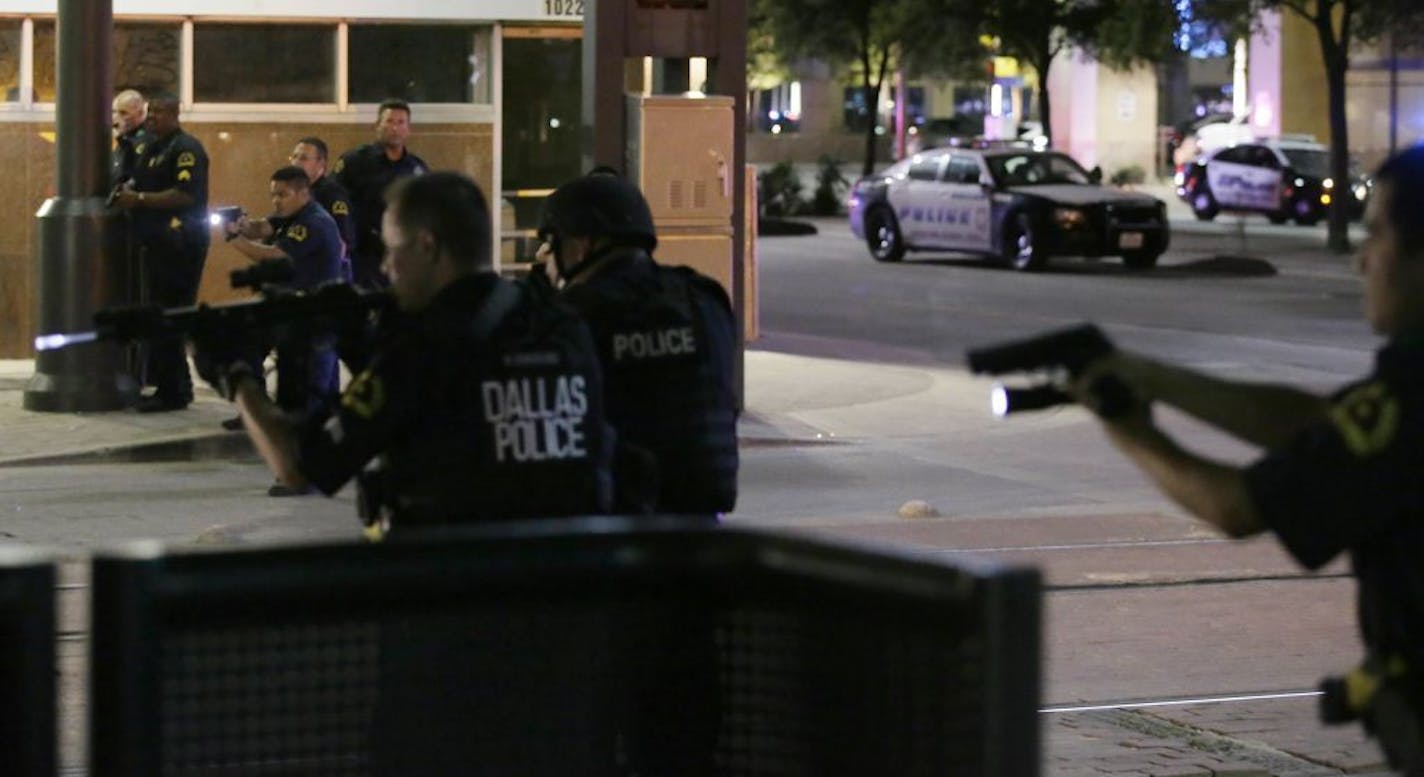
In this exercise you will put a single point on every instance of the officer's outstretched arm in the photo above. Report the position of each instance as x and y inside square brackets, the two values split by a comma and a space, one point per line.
[1262, 414]
[1214, 492]
[272, 435]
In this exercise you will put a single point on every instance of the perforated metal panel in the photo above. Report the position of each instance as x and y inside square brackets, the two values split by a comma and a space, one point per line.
[640, 653]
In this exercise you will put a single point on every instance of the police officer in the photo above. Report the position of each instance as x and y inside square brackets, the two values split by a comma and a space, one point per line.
[168, 205]
[666, 339]
[310, 154]
[129, 112]
[366, 172]
[480, 406]
[1340, 473]
[306, 236]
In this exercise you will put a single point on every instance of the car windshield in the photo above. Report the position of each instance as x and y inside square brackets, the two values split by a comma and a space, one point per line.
[1308, 161]
[1316, 162]
[1028, 169]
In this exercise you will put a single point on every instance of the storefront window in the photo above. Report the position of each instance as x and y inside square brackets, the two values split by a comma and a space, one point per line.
[45, 64]
[146, 57]
[262, 63]
[10, 60]
[419, 63]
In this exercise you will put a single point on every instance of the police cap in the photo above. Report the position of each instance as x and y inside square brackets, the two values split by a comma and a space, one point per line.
[600, 204]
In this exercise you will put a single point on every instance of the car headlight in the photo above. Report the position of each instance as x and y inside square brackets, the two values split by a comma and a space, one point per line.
[1328, 183]
[1361, 192]
[1070, 218]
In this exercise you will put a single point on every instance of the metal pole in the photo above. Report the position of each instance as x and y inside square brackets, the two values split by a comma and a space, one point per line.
[76, 273]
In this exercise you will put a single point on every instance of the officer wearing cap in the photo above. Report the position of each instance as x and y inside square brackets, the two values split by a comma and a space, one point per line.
[1340, 474]
[666, 338]
[478, 405]
[366, 172]
[168, 206]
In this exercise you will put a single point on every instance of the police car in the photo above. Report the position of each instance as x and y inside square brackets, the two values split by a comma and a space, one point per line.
[1284, 179]
[1020, 205]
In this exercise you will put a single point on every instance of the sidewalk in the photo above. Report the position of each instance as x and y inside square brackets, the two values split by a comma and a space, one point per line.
[801, 407]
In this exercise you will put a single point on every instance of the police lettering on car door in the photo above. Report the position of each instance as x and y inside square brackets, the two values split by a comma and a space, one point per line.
[1244, 177]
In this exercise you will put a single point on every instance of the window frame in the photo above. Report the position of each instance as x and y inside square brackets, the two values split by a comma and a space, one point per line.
[340, 111]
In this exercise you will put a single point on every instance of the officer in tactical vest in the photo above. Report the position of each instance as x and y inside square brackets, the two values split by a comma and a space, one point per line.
[1340, 474]
[666, 338]
[481, 403]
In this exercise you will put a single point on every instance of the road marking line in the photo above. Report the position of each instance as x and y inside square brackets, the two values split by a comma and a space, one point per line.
[1135, 705]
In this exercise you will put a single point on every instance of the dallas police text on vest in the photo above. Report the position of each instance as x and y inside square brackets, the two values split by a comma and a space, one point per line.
[536, 419]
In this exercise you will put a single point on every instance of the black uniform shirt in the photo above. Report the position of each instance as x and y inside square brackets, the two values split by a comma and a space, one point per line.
[177, 161]
[337, 202]
[124, 156]
[366, 172]
[1354, 483]
[310, 239]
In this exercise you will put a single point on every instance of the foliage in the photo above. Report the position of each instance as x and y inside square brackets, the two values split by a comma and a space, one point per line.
[1130, 175]
[1119, 33]
[1339, 25]
[870, 38]
[826, 200]
[779, 191]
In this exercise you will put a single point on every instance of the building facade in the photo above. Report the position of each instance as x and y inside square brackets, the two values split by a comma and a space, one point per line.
[494, 89]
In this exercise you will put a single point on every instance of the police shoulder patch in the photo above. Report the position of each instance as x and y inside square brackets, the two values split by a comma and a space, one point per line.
[365, 396]
[185, 175]
[340, 208]
[1367, 419]
[175, 223]
[297, 232]
[187, 159]
[339, 166]
[140, 147]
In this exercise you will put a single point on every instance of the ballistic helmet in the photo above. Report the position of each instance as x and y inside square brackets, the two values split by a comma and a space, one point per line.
[600, 204]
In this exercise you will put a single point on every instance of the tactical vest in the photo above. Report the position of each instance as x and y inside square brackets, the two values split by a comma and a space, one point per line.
[521, 430]
[666, 339]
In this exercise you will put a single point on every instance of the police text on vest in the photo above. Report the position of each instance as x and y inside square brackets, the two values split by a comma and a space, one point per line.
[536, 419]
[653, 344]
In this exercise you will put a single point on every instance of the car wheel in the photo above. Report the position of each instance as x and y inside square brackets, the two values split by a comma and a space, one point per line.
[1141, 260]
[882, 236]
[1305, 215]
[1021, 248]
[1204, 206]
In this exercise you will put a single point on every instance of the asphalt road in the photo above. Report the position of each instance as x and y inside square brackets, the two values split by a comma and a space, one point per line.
[1271, 300]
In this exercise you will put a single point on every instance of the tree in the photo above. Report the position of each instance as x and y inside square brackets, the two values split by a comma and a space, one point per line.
[872, 37]
[1119, 33]
[1338, 25]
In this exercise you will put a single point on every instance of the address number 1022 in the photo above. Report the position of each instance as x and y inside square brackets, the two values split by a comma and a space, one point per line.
[563, 7]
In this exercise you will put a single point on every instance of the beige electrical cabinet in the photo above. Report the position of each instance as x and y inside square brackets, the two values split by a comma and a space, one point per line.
[680, 154]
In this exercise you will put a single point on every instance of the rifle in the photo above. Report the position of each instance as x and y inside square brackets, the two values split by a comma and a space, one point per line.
[1067, 352]
[329, 308]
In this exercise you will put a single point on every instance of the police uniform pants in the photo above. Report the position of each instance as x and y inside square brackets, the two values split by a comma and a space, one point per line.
[173, 274]
[307, 374]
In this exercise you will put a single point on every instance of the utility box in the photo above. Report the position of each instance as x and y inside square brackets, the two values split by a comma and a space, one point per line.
[680, 153]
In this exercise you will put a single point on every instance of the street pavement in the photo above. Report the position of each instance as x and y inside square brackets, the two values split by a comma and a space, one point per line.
[835, 443]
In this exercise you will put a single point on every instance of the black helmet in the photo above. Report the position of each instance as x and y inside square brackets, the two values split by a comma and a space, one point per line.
[600, 204]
